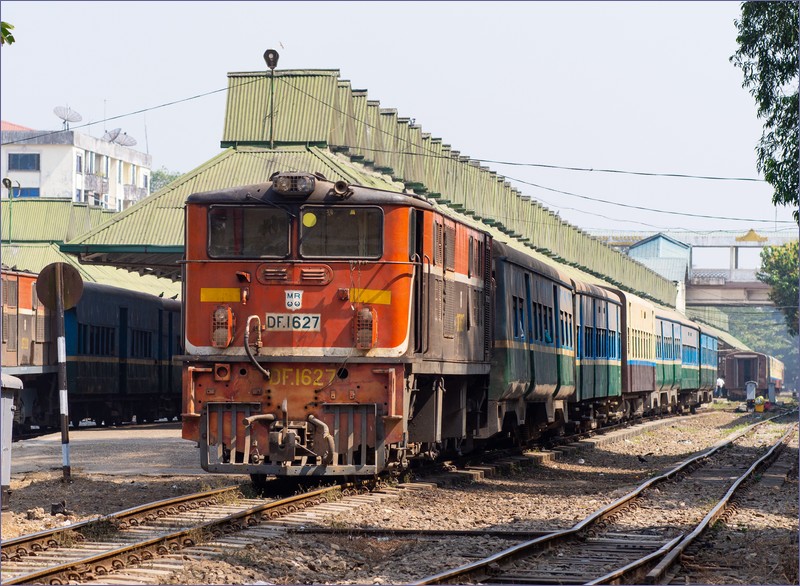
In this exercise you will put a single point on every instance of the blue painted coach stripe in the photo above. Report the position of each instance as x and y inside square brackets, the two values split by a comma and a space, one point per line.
[641, 363]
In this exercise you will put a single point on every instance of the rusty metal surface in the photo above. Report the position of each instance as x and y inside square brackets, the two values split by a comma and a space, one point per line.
[71, 285]
[43, 540]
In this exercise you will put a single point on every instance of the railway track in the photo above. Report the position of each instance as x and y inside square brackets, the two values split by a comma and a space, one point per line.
[95, 549]
[619, 543]
[148, 543]
[166, 540]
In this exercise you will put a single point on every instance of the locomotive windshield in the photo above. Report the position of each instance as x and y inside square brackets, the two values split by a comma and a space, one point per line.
[248, 232]
[341, 232]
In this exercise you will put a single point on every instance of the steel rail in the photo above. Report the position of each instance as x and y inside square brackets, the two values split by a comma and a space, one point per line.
[42, 540]
[475, 571]
[118, 558]
[659, 572]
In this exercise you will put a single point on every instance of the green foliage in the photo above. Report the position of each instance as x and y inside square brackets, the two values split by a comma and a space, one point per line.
[6, 38]
[162, 177]
[779, 270]
[767, 55]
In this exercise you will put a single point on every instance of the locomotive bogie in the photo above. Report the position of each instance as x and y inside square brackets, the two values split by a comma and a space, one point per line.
[303, 416]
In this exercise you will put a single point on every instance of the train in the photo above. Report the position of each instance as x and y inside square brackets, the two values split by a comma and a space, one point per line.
[761, 370]
[119, 346]
[338, 330]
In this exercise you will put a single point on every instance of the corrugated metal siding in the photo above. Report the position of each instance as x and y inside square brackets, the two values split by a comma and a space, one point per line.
[339, 116]
[310, 107]
[360, 144]
[416, 175]
[303, 107]
[158, 219]
[34, 257]
[49, 220]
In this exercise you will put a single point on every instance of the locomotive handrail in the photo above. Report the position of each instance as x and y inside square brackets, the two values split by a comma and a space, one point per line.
[426, 293]
[416, 280]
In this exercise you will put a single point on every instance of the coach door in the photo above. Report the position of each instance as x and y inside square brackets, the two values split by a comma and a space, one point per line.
[123, 351]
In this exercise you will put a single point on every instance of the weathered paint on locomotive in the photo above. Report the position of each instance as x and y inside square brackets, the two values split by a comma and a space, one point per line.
[465, 337]
[351, 352]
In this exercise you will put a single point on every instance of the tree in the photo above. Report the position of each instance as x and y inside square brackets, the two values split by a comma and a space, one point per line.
[767, 56]
[6, 38]
[162, 177]
[779, 270]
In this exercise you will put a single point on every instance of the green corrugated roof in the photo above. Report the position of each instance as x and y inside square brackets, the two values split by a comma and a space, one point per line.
[315, 111]
[34, 219]
[302, 109]
[157, 221]
[33, 257]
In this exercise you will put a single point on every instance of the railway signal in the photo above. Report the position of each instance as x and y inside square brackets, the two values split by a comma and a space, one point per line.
[60, 287]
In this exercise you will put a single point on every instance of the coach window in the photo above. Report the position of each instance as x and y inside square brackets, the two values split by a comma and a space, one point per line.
[247, 232]
[341, 232]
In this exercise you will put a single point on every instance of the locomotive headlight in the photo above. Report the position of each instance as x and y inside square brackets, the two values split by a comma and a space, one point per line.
[282, 183]
[222, 324]
[290, 184]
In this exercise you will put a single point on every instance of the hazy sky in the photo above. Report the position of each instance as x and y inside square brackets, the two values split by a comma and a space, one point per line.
[635, 86]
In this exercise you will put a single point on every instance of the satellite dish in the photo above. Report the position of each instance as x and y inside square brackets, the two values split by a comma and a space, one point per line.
[67, 114]
[125, 140]
[112, 135]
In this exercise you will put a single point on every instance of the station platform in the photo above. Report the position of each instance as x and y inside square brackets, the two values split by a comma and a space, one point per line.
[153, 449]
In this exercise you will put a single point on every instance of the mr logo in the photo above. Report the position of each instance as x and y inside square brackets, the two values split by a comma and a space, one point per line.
[294, 300]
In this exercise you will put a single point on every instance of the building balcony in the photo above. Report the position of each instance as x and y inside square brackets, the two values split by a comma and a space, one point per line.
[133, 193]
[95, 183]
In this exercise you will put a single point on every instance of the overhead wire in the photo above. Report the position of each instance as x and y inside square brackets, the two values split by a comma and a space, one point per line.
[493, 161]
[119, 116]
[599, 200]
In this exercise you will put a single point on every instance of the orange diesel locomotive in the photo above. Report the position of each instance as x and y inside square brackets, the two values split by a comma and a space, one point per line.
[330, 329]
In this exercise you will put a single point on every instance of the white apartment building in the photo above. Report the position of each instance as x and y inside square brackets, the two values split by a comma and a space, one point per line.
[71, 165]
